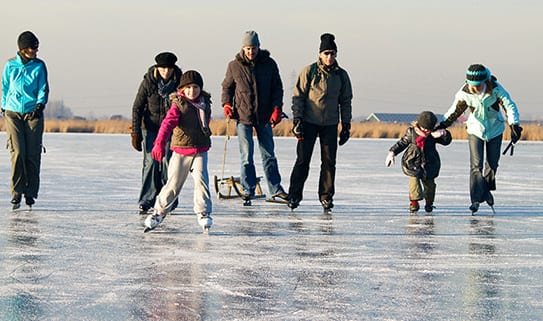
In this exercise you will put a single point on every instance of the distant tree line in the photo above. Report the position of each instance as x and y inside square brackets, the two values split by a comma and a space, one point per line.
[57, 110]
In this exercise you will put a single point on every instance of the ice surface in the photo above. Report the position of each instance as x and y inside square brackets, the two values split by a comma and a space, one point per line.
[81, 253]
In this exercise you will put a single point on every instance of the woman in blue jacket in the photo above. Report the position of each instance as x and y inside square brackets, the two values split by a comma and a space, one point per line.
[25, 91]
[483, 97]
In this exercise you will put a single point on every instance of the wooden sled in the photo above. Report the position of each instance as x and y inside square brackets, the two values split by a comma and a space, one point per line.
[224, 187]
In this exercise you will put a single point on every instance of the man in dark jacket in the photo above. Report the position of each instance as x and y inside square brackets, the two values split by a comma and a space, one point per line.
[252, 93]
[322, 98]
[149, 109]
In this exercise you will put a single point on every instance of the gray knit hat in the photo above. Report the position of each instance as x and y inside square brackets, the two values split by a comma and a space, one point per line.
[250, 38]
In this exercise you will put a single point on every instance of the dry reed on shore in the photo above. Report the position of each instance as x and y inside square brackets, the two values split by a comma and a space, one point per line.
[218, 127]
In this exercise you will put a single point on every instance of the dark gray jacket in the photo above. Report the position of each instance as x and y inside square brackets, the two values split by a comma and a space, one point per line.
[424, 164]
[253, 88]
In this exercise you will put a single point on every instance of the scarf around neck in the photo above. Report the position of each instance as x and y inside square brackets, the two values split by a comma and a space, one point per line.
[421, 138]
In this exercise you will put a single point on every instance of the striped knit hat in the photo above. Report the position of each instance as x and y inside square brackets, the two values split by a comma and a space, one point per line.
[477, 74]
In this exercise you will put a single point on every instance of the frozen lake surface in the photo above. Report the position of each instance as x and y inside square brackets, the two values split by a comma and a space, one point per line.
[80, 254]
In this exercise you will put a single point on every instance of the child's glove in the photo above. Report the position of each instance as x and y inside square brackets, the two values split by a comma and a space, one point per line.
[158, 152]
[390, 159]
[439, 132]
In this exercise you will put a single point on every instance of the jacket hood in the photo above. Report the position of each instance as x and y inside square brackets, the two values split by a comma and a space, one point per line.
[263, 55]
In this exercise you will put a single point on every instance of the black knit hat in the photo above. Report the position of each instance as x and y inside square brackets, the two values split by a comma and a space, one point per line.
[427, 120]
[27, 40]
[191, 77]
[165, 59]
[477, 74]
[327, 42]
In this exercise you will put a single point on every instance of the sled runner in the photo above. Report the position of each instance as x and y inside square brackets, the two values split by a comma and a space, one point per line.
[224, 187]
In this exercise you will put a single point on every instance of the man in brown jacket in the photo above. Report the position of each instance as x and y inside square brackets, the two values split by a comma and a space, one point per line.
[252, 93]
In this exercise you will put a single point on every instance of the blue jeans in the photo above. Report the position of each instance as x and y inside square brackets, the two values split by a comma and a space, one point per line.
[483, 180]
[154, 174]
[264, 135]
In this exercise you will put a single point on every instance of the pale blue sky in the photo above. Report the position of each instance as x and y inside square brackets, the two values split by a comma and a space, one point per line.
[402, 56]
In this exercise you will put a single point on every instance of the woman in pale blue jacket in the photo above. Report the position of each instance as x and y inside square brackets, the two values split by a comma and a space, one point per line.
[25, 91]
[483, 96]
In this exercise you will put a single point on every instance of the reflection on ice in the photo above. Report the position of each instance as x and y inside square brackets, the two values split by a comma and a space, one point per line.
[81, 254]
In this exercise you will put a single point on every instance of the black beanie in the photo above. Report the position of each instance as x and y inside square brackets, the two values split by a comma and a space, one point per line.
[165, 59]
[327, 42]
[427, 120]
[27, 40]
[191, 77]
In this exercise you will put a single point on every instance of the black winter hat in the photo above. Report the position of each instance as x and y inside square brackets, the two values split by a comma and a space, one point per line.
[327, 42]
[191, 77]
[165, 59]
[427, 120]
[27, 40]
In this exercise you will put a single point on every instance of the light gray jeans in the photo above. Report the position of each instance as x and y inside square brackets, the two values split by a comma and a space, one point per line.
[178, 170]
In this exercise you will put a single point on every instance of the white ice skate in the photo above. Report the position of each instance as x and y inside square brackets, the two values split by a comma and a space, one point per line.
[205, 220]
[152, 221]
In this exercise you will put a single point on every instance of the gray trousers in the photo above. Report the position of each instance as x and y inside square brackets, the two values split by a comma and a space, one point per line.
[178, 170]
[24, 141]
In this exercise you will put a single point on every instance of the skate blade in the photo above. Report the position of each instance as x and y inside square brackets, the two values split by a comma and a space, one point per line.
[148, 229]
[276, 200]
[492, 208]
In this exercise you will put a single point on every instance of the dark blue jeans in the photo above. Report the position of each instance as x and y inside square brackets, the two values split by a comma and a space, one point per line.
[154, 174]
[264, 135]
[482, 180]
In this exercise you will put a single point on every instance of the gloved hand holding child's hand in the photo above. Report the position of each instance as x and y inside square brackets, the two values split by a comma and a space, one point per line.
[439, 132]
[390, 159]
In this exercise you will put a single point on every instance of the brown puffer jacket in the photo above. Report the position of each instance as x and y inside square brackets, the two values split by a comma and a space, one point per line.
[253, 88]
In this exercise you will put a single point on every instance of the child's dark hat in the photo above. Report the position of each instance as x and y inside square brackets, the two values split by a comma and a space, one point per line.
[191, 77]
[427, 120]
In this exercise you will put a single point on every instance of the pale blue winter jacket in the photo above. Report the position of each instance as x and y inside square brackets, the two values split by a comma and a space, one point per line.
[485, 119]
[24, 85]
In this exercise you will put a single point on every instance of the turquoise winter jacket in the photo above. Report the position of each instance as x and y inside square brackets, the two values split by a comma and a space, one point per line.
[24, 85]
[485, 119]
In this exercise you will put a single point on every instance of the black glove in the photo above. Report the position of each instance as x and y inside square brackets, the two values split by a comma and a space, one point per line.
[345, 133]
[441, 125]
[516, 132]
[137, 139]
[298, 128]
[37, 113]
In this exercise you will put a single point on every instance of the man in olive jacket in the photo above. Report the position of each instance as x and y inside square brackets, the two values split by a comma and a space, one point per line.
[252, 93]
[322, 98]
